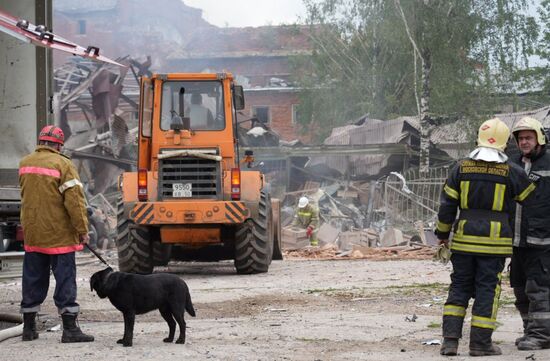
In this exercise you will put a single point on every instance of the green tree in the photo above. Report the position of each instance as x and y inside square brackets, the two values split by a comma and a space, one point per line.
[543, 50]
[389, 57]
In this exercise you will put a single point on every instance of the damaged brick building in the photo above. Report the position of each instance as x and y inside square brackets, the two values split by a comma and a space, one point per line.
[178, 39]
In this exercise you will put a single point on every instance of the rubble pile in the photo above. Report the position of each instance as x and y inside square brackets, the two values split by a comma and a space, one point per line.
[331, 252]
[353, 226]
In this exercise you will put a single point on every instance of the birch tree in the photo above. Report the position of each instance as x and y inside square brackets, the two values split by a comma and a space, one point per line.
[395, 57]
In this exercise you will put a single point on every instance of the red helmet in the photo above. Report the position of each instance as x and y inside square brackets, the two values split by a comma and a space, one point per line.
[51, 133]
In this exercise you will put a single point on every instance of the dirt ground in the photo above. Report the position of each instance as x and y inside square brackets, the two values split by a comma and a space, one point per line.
[300, 310]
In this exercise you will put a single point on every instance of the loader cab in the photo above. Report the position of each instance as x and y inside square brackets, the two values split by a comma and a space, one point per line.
[192, 105]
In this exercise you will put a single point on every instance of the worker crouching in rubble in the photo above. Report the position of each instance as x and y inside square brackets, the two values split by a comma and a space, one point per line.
[530, 267]
[484, 188]
[55, 223]
[307, 217]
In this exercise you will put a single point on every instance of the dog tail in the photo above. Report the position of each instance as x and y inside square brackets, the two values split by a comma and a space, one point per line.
[189, 305]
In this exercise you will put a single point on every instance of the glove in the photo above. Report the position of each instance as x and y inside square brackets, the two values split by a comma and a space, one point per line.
[309, 231]
[84, 238]
[443, 253]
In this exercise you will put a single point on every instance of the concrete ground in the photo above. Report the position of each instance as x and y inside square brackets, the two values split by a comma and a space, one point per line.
[300, 310]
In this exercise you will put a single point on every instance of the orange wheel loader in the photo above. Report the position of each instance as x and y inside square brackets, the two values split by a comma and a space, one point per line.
[190, 199]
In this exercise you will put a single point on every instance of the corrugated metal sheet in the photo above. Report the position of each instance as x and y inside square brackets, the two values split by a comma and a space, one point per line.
[456, 139]
[366, 131]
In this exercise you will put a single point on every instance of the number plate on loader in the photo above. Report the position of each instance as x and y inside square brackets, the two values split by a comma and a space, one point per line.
[182, 190]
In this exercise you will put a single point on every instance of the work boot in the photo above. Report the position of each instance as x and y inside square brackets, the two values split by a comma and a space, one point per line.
[481, 343]
[531, 344]
[29, 326]
[71, 331]
[449, 347]
[525, 319]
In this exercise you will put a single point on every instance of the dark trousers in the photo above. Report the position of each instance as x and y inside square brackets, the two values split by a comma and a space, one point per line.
[530, 278]
[36, 281]
[475, 277]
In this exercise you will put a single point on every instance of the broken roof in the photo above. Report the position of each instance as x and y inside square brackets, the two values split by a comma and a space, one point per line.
[367, 131]
[250, 41]
[456, 139]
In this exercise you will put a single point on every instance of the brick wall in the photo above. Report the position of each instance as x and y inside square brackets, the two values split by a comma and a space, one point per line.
[280, 109]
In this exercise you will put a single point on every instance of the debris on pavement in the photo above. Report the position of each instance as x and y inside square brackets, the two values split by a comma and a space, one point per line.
[432, 342]
[332, 252]
[55, 328]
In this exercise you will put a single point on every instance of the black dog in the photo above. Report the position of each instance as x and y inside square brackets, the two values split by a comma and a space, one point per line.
[134, 294]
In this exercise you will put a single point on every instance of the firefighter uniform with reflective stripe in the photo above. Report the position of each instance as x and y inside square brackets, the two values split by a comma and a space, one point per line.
[530, 269]
[53, 216]
[53, 211]
[308, 216]
[485, 193]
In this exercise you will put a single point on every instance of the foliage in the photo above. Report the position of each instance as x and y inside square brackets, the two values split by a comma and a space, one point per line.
[363, 60]
[543, 50]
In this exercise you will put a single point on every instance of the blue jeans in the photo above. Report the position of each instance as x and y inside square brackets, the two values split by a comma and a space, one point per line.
[36, 281]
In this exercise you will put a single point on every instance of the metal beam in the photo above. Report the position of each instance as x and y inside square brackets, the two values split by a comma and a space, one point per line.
[120, 162]
[276, 153]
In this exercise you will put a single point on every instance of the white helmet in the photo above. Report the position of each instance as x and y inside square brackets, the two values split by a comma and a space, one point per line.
[303, 202]
[533, 124]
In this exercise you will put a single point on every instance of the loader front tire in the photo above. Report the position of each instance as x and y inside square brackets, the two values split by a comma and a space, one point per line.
[135, 254]
[254, 240]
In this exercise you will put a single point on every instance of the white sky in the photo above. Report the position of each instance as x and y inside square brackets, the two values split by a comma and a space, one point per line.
[241, 13]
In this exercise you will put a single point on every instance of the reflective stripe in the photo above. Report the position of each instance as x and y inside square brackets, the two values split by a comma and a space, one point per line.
[525, 193]
[54, 250]
[460, 228]
[501, 241]
[450, 192]
[542, 173]
[473, 248]
[517, 225]
[498, 200]
[495, 230]
[454, 310]
[464, 188]
[304, 213]
[539, 315]
[444, 227]
[538, 241]
[69, 184]
[496, 299]
[41, 171]
[484, 322]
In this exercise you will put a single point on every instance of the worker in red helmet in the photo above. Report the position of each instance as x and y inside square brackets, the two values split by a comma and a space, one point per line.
[55, 225]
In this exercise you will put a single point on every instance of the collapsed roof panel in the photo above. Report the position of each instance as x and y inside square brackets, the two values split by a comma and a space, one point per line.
[367, 131]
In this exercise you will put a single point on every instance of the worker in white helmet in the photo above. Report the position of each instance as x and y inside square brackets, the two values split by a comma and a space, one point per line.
[307, 217]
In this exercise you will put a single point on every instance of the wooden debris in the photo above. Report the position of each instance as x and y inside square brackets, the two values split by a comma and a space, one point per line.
[331, 252]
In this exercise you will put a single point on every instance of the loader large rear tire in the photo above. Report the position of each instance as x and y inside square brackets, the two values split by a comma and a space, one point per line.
[135, 254]
[254, 240]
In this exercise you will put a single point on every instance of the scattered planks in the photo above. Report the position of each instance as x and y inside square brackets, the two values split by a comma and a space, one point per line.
[331, 252]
